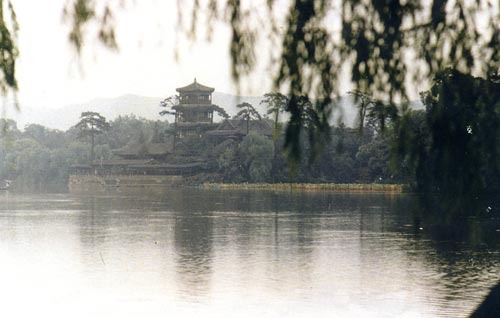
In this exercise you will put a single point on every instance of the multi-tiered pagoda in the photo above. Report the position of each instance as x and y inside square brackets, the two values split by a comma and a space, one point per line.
[195, 112]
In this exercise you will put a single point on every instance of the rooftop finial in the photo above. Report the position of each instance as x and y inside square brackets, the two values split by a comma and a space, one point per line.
[195, 79]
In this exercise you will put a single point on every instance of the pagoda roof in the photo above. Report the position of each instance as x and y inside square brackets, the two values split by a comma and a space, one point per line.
[80, 166]
[169, 165]
[195, 87]
[147, 148]
[123, 162]
[192, 124]
[225, 133]
[237, 127]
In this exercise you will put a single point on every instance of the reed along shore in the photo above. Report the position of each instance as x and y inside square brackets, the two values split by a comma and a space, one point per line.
[353, 187]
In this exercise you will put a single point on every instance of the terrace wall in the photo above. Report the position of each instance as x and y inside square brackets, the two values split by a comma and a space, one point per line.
[79, 183]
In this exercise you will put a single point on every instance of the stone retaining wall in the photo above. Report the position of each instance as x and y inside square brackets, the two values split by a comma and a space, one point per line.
[103, 183]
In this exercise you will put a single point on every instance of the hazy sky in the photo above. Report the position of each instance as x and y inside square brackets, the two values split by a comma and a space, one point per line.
[50, 74]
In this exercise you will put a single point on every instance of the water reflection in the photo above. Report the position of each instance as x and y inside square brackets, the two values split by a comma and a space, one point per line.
[193, 246]
[460, 250]
[245, 253]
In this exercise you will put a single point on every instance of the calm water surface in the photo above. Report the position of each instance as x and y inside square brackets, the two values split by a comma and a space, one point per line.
[208, 253]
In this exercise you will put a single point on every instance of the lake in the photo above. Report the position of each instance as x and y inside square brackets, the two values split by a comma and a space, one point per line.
[235, 253]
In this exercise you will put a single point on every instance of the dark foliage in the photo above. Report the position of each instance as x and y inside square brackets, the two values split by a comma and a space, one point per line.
[90, 125]
[247, 112]
[459, 154]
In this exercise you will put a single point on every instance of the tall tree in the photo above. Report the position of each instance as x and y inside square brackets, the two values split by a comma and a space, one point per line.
[168, 103]
[309, 118]
[220, 111]
[363, 102]
[247, 112]
[90, 125]
[276, 104]
[375, 111]
[380, 114]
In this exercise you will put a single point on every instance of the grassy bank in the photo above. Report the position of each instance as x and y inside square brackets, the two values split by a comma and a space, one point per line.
[353, 187]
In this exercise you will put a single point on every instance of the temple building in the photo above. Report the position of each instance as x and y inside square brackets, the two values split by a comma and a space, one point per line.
[163, 161]
[194, 114]
[236, 129]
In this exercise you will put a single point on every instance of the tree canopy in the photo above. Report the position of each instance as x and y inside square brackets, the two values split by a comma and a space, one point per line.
[454, 149]
[90, 125]
[276, 104]
[168, 103]
[247, 112]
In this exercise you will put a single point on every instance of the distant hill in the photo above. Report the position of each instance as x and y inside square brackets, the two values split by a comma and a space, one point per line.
[65, 117]
[148, 107]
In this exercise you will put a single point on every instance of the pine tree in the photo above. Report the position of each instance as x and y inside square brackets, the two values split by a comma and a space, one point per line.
[90, 125]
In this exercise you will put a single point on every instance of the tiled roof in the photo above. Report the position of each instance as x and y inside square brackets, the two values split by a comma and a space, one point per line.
[170, 165]
[264, 127]
[123, 162]
[146, 148]
[80, 166]
[195, 87]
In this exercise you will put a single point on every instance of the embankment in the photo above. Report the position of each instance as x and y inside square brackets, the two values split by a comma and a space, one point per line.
[354, 187]
[79, 183]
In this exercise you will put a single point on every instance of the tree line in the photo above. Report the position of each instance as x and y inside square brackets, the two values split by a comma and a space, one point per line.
[39, 158]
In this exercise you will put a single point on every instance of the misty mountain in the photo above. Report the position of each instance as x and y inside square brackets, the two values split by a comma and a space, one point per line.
[67, 116]
[148, 107]
[140, 106]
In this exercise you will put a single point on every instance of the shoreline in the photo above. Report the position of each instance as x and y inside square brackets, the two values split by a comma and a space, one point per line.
[96, 182]
[333, 187]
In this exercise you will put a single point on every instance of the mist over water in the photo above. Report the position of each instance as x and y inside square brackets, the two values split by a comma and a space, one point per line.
[215, 253]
